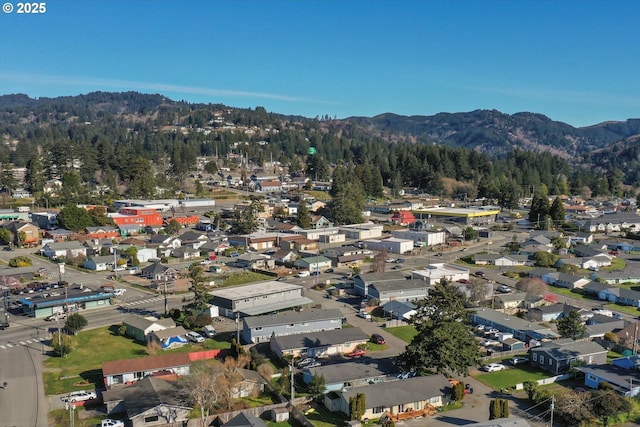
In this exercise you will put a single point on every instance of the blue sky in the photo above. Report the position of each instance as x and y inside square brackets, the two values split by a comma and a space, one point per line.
[574, 61]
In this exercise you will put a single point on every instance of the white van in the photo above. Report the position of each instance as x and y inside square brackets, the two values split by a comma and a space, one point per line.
[303, 274]
[209, 331]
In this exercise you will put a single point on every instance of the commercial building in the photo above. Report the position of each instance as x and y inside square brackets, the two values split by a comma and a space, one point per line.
[256, 329]
[258, 298]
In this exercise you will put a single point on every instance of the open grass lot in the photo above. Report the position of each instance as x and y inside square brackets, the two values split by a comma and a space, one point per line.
[81, 369]
[240, 278]
[405, 333]
[510, 377]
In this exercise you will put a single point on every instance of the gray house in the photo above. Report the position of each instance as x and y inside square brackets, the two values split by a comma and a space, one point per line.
[521, 329]
[398, 290]
[140, 328]
[319, 344]
[362, 282]
[557, 356]
[349, 374]
[256, 329]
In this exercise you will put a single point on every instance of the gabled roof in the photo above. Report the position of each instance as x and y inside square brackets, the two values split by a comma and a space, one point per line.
[145, 395]
[321, 339]
[143, 323]
[348, 371]
[399, 285]
[290, 317]
[170, 332]
[393, 393]
[560, 349]
[148, 363]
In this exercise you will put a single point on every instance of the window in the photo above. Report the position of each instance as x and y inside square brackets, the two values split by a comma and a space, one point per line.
[151, 419]
[535, 357]
[541, 360]
[378, 409]
[550, 362]
[259, 328]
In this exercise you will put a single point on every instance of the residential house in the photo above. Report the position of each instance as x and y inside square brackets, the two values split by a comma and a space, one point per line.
[259, 241]
[523, 330]
[349, 374]
[509, 301]
[630, 275]
[269, 186]
[319, 344]
[164, 244]
[60, 235]
[149, 402]
[548, 313]
[140, 328]
[625, 381]
[402, 310]
[185, 253]
[501, 260]
[251, 384]
[257, 329]
[157, 271]
[252, 260]
[102, 232]
[45, 220]
[143, 254]
[412, 397]
[399, 290]
[319, 221]
[622, 296]
[193, 239]
[581, 238]
[346, 255]
[71, 249]
[99, 263]
[611, 222]
[23, 233]
[557, 356]
[629, 336]
[598, 325]
[300, 244]
[313, 263]
[362, 281]
[285, 257]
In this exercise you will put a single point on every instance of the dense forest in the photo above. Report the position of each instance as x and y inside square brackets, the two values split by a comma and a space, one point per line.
[133, 144]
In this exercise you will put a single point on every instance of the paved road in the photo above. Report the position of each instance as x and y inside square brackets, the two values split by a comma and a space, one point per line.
[22, 401]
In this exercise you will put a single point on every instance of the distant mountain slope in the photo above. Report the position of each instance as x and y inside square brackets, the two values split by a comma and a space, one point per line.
[498, 133]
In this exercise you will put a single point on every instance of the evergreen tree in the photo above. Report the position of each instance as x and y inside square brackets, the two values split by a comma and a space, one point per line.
[35, 178]
[556, 211]
[304, 219]
[571, 326]
[539, 208]
[74, 218]
[444, 341]
[199, 287]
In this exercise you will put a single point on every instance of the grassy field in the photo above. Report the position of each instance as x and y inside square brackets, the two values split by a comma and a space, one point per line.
[510, 377]
[405, 333]
[81, 369]
[240, 278]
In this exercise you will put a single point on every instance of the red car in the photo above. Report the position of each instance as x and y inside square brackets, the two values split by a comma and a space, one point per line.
[358, 352]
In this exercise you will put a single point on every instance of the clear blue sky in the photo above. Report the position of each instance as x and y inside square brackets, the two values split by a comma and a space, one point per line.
[574, 61]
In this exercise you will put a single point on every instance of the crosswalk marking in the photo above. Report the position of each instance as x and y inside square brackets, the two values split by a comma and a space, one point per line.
[145, 301]
[26, 342]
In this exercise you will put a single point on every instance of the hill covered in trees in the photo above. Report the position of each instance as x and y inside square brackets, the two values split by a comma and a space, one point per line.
[132, 144]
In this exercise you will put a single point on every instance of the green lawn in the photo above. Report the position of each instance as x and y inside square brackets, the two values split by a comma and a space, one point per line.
[405, 333]
[510, 377]
[243, 277]
[81, 368]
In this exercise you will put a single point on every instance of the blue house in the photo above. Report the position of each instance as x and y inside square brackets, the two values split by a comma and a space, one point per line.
[623, 377]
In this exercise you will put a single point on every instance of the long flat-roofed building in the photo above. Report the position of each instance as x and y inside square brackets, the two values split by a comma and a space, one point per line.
[258, 298]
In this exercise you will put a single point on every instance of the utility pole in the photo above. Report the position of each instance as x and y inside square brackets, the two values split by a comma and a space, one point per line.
[293, 389]
[166, 303]
[553, 403]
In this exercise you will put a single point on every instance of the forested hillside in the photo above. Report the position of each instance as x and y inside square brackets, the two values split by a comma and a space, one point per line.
[132, 144]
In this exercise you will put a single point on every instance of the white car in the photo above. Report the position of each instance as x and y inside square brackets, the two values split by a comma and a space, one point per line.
[119, 292]
[56, 316]
[79, 396]
[493, 367]
[195, 337]
[112, 423]
[489, 343]
[364, 315]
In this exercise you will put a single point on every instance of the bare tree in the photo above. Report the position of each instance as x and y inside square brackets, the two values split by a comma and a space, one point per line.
[379, 261]
[532, 286]
[200, 387]
[478, 291]
[229, 383]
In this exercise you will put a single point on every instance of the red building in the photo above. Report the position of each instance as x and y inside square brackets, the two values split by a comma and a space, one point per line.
[137, 216]
[184, 220]
[403, 217]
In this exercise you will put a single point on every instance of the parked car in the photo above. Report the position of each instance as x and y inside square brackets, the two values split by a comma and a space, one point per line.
[400, 261]
[490, 331]
[315, 273]
[304, 362]
[396, 267]
[209, 331]
[234, 254]
[493, 367]
[489, 343]
[42, 270]
[79, 396]
[112, 423]
[480, 274]
[313, 365]
[119, 291]
[206, 262]
[195, 337]
[378, 339]
[8, 248]
[518, 360]
[329, 270]
[358, 352]
[503, 289]
[364, 315]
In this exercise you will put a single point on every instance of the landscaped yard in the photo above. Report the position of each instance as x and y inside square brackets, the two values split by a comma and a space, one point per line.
[405, 333]
[81, 369]
[510, 377]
